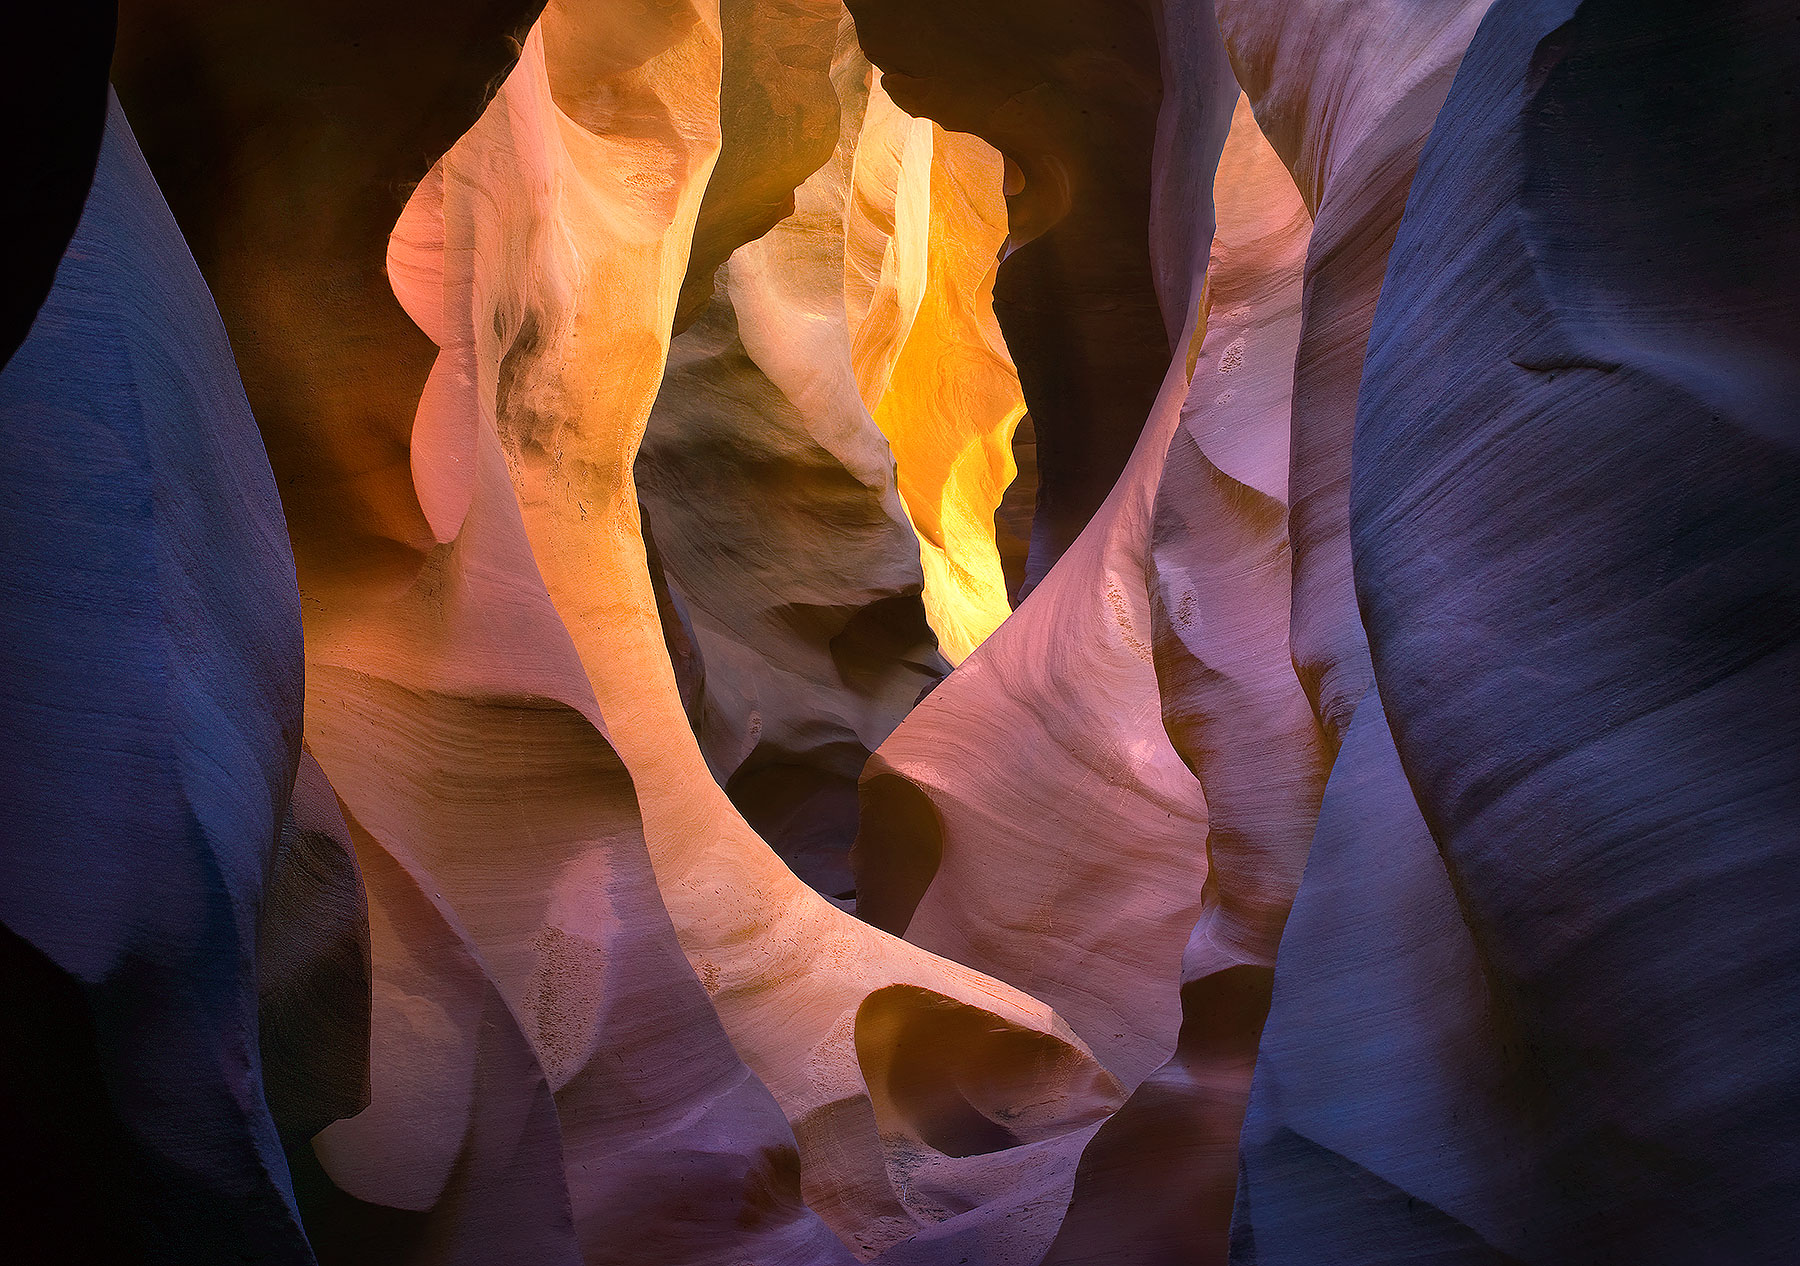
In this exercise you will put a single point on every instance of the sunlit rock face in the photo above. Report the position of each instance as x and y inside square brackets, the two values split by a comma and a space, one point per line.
[775, 518]
[468, 710]
[1069, 93]
[788, 973]
[524, 969]
[830, 442]
[1368, 840]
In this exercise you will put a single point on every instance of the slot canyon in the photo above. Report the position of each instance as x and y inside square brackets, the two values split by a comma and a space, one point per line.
[919, 632]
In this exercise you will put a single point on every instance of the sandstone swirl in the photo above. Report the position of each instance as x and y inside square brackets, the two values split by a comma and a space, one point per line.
[603, 216]
[483, 633]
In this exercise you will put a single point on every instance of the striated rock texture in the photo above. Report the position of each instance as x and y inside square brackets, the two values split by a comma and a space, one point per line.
[1387, 1118]
[150, 655]
[1371, 838]
[1346, 95]
[1581, 606]
[522, 951]
[1069, 93]
[1584, 1009]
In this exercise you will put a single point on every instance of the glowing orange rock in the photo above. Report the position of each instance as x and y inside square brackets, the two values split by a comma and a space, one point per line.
[982, 812]
[1069, 93]
[945, 392]
[541, 1043]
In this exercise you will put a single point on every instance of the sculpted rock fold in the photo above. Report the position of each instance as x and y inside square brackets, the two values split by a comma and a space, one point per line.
[981, 812]
[778, 123]
[600, 219]
[1234, 710]
[1385, 1121]
[533, 1012]
[1346, 94]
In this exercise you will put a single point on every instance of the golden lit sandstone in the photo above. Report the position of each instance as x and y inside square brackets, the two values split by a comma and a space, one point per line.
[812, 998]
[945, 392]
[547, 1078]
[1068, 91]
[769, 491]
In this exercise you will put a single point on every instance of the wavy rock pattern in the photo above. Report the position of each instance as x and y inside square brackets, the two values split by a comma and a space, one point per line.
[1056, 720]
[787, 971]
[948, 398]
[1219, 566]
[545, 978]
[1346, 95]
[772, 499]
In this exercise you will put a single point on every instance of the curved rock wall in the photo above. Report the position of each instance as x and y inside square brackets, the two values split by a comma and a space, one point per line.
[1069, 94]
[1626, 513]
[150, 646]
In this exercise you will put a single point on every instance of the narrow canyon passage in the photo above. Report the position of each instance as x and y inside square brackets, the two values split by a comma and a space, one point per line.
[998, 633]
